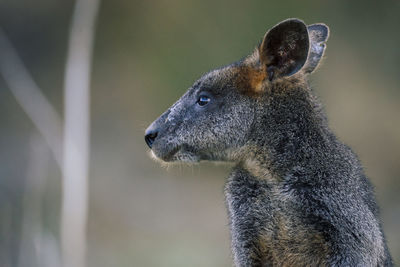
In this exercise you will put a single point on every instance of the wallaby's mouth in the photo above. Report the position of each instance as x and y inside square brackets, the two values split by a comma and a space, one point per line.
[182, 153]
[169, 156]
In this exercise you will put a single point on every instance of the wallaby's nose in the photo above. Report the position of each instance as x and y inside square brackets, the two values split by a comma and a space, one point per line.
[150, 135]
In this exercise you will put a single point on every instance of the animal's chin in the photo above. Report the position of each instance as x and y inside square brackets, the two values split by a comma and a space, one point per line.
[176, 154]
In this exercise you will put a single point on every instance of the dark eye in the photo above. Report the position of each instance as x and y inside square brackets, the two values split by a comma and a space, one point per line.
[203, 100]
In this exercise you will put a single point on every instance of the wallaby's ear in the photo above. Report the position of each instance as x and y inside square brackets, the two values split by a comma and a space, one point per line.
[318, 34]
[284, 48]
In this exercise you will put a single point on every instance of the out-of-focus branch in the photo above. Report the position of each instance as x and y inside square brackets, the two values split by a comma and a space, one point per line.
[73, 156]
[76, 133]
[30, 97]
[38, 246]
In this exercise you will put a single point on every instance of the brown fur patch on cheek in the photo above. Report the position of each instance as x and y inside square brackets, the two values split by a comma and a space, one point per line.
[249, 80]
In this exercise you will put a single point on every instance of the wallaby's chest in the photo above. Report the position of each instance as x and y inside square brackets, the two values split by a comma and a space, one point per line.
[258, 201]
[267, 211]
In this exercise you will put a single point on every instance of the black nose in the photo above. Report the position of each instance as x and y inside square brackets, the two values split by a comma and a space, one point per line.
[150, 136]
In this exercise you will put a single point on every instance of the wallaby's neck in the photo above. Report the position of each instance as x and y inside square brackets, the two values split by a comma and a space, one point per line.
[290, 131]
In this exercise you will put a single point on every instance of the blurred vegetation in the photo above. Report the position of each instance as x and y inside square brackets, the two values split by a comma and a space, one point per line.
[147, 53]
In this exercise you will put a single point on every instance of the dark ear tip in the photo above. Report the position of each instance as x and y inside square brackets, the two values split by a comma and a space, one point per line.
[293, 24]
[292, 21]
[296, 20]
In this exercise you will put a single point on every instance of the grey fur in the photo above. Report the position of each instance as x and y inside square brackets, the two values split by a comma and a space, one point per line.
[297, 195]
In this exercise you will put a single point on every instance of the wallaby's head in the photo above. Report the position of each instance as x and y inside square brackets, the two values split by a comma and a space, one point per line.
[215, 117]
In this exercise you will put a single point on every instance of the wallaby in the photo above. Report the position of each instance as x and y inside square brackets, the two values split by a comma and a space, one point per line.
[297, 196]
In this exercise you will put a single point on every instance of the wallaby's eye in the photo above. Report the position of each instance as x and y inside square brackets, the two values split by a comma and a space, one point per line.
[203, 100]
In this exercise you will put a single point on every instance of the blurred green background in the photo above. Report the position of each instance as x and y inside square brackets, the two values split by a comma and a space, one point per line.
[146, 54]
